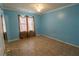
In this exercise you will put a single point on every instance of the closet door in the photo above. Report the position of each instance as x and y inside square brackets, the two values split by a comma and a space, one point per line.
[31, 27]
[23, 27]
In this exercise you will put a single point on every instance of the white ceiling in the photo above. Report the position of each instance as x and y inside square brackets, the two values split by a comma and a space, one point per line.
[32, 7]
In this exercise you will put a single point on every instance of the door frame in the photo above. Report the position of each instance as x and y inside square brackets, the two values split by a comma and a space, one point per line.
[4, 33]
[34, 26]
[2, 48]
[19, 26]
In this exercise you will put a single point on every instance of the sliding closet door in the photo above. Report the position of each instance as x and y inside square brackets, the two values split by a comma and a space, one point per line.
[22, 27]
[31, 27]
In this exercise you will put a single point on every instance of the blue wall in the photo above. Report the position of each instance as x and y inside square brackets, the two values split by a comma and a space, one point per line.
[65, 27]
[62, 24]
[11, 19]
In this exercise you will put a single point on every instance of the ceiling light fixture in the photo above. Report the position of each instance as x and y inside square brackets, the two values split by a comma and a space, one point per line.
[39, 7]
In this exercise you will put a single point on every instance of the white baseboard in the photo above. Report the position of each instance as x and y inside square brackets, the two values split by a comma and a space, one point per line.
[37, 34]
[11, 40]
[59, 40]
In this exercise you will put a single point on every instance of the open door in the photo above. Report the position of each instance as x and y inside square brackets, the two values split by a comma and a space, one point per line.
[2, 46]
[4, 28]
[26, 26]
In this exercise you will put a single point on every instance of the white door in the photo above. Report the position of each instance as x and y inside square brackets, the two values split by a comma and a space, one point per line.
[1, 39]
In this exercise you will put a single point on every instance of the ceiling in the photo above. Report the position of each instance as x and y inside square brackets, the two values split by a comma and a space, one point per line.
[33, 7]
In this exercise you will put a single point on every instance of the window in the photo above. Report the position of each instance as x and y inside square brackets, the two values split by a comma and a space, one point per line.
[26, 26]
[23, 24]
[30, 24]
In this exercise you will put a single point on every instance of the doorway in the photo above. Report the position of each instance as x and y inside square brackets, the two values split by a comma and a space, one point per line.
[26, 26]
[4, 28]
[2, 44]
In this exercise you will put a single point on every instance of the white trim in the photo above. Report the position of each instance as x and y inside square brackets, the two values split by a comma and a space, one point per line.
[11, 40]
[59, 8]
[59, 40]
[37, 34]
[19, 10]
